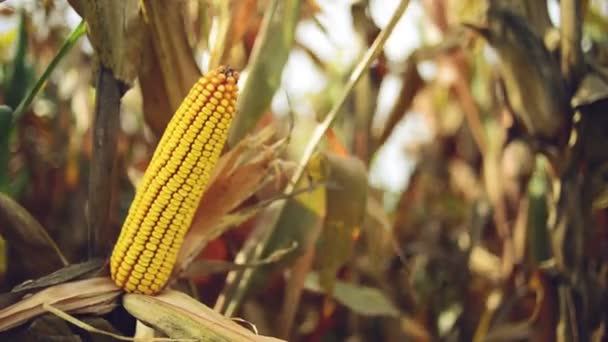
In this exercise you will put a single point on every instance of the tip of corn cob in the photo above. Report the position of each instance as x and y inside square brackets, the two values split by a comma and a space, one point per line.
[229, 71]
[172, 186]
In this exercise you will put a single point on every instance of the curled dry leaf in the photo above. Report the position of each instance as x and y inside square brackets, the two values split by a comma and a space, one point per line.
[592, 89]
[238, 175]
[242, 13]
[484, 263]
[591, 101]
[180, 316]
[95, 295]
[100, 327]
[277, 181]
[464, 180]
[44, 328]
[168, 67]
[61, 276]
[25, 235]
[412, 83]
[532, 77]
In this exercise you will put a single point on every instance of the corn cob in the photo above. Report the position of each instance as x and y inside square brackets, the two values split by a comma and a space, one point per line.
[172, 186]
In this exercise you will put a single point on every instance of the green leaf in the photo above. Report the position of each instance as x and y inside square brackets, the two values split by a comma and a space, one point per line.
[5, 125]
[18, 73]
[268, 59]
[538, 233]
[366, 301]
[65, 48]
[346, 207]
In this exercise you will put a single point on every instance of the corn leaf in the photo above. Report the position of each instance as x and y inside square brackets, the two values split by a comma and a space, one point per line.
[180, 316]
[412, 84]
[95, 295]
[32, 252]
[19, 76]
[68, 44]
[61, 276]
[237, 176]
[363, 300]
[200, 268]
[268, 59]
[346, 207]
[44, 328]
[5, 128]
[168, 68]
[297, 222]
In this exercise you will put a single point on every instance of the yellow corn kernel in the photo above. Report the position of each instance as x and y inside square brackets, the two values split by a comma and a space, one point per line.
[172, 186]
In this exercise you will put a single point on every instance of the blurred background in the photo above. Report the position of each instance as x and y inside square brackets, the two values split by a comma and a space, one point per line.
[463, 195]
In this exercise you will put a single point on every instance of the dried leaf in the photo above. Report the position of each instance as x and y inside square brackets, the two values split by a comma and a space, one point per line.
[302, 212]
[532, 77]
[485, 263]
[412, 83]
[592, 89]
[266, 67]
[463, 179]
[30, 246]
[376, 212]
[61, 276]
[44, 328]
[491, 164]
[277, 181]
[100, 324]
[84, 296]
[200, 268]
[346, 207]
[180, 316]
[168, 69]
[509, 332]
[363, 300]
[241, 14]
[299, 221]
[110, 334]
[415, 329]
[238, 175]
[294, 287]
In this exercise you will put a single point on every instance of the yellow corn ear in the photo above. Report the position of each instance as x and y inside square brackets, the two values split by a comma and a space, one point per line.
[172, 186]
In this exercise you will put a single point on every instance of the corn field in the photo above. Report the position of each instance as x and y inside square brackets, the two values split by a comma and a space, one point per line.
[304, 170]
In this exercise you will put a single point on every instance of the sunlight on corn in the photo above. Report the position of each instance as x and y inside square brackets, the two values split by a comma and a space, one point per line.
[172, 186]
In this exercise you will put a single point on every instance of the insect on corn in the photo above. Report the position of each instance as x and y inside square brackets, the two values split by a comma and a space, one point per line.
[173, 184]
